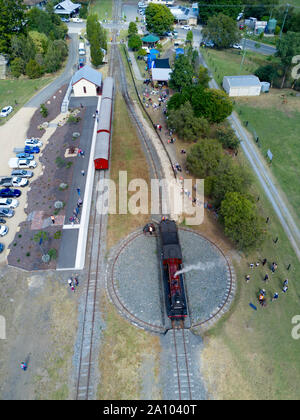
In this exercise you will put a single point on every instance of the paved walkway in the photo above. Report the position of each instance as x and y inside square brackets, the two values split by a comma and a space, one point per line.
[135, 67]
[70, 235]
[266, 178]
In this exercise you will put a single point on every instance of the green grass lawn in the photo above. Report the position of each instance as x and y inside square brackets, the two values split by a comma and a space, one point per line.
[228, 62]
[251, 354]
[103, 8]
[16, 92]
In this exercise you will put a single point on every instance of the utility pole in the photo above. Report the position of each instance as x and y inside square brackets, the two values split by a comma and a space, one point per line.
[284, 19]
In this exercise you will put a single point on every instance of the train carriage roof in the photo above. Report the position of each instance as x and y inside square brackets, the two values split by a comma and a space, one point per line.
[108, 87]
[105, 114]
[102, 146]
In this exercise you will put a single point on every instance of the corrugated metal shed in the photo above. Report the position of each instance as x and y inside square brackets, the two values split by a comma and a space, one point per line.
[242, 81]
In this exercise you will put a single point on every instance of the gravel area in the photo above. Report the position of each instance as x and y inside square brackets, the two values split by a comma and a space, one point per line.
[168, 369]
[138, 280]
[206, 287]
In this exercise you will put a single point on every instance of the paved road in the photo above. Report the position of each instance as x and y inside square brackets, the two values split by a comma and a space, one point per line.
[263, 49]
[265, 177]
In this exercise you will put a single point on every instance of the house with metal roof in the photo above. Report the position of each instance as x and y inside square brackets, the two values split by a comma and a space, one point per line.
[67, 8]
[187, 15]
[87, 82]
[248, 85]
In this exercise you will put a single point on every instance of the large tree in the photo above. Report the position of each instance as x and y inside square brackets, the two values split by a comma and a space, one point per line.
[182, 74]
[159, 19]
[222, 30]
[186, 125]
[229, 177]
[210, 8]
[213, 104]
[287, 47]
[135, 42]
[204, 158]
[11, 22]
[242, 223]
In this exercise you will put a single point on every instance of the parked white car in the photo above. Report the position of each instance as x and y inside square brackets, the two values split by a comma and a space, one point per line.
[237, 46]
[77, 20]
[33, 142]
[3, 230]
[15, 163]
[6, 111]
[11, 203]
[186, 27]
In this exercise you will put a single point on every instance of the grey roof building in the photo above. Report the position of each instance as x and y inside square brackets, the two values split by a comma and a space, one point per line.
[89, 74]
[248, 85]
[66, 8]
[186, 14]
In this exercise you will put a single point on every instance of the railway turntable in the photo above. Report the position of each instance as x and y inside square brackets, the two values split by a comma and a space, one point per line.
[175, 277]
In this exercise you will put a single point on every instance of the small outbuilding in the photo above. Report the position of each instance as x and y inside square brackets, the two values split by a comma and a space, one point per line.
[161, 75]
[87, 82]
[248, 85]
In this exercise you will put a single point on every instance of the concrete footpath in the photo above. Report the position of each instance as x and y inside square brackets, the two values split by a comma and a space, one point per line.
[73, 243]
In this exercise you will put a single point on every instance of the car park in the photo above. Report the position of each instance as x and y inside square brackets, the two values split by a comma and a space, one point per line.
[22, 172]
[10, 192]
[3, 230]
[1, 248]
[6, 111]
[5, 212]
[10, 203]
[31, 149]
[25, 156]
[33, 142]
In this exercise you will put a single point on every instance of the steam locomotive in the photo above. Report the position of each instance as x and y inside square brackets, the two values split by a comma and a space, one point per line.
[175, 298]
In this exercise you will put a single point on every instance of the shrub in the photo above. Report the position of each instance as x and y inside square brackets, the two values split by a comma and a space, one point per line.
[52, 253]
[60, 162]
[57, 235]
[44, 110]
[33, 69]
[17, 67]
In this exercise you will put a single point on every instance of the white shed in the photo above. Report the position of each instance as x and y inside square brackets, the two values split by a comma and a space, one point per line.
[242, 85]
[87, 82]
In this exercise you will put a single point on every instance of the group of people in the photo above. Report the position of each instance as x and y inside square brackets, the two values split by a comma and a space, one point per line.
[74, 218]
[262, 292]
[73, 282]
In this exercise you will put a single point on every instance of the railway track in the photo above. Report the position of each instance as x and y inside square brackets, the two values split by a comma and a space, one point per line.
[84, 385]
[180, 342]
